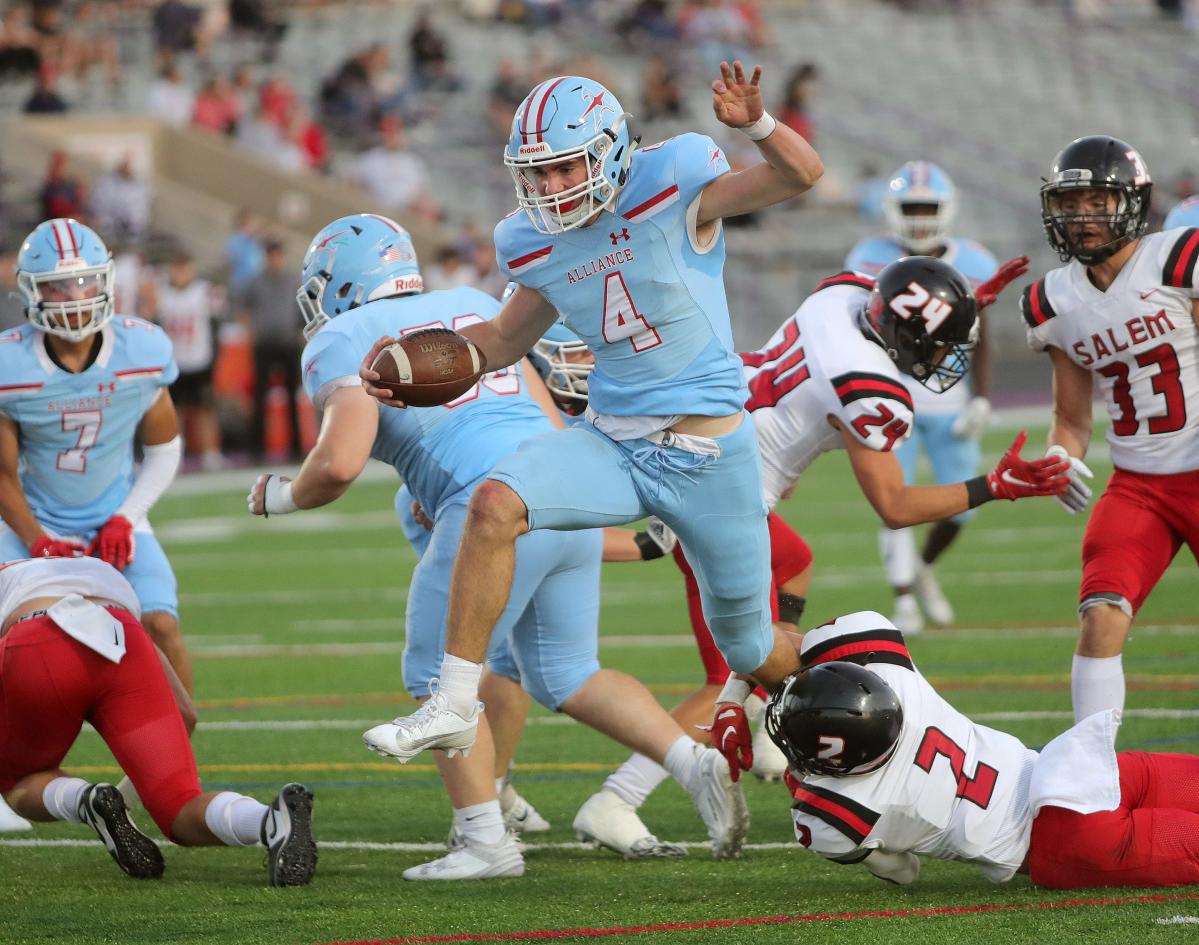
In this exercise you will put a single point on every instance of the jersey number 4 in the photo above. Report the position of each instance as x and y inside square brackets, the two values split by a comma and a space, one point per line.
[88, 423]
[1166, 382]
[621, 318]
[977, 789]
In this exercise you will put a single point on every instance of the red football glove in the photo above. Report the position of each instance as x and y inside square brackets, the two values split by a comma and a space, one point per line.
[988, 292]
[1015, 478]
[47, 547]
[114, 542]
[732, 738]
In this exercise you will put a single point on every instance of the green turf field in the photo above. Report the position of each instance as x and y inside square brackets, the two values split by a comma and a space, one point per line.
[296, 626]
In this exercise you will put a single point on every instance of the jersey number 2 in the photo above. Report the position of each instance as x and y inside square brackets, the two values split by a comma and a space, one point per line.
[87, 422]
[621, 318]
[977, 789]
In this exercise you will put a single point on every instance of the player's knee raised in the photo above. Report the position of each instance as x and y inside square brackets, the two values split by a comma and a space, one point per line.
[496, 510]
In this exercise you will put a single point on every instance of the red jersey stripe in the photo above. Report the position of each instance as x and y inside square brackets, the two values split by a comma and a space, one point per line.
[652, 202]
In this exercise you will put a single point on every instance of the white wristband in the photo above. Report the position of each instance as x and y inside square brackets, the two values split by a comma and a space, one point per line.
[735, 690]
[276, 496]
[762, 128]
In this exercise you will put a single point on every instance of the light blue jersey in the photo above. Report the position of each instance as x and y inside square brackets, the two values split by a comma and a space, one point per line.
[77, 430]
[1185, 213]
[636, 288]
[438, 451]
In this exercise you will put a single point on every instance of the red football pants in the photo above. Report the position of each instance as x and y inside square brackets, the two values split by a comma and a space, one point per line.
[1135, 531]
[50, 684]
[789, 556]
[1151, 839]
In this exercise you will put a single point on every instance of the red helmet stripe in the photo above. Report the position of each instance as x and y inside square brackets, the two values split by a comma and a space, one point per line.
[390, 223]
[71, 234]
[524, 118]
[541, 108]
[58, 239]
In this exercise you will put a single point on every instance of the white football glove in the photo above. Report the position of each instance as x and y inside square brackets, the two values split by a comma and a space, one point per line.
[1078, 495]
[662, 534]
[270, 495]
[972, 419]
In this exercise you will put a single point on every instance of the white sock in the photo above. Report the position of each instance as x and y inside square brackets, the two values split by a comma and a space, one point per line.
[682, 758]
[61, 798]
[1096, 684]
[459, 683]
[898, 549]
[755, 707]
[636, 779]
[132, 800]
[481, 823]
[235, 819]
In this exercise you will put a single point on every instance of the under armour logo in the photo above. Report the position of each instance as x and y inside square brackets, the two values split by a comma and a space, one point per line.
[622, 235]
[111, 387]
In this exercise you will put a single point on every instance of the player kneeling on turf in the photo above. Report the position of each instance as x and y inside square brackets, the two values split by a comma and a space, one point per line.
[72, 648]
[882, 769]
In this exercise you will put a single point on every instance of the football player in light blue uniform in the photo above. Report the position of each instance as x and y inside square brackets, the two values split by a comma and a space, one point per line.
[361, 280]
[627, 246]
[1185, 213]
[77, 385]
[919, 206]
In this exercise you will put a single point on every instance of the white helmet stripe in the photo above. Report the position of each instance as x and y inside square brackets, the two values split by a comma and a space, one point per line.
[537, 101]
[65, 240]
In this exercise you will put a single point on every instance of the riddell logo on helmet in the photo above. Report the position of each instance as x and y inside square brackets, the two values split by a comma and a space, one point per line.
[408, 284]
[531, 150]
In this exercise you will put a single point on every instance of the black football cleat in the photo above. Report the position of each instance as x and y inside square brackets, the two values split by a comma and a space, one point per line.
[287, 835]
[103, 809]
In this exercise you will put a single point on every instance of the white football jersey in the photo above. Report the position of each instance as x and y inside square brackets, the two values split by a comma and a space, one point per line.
[952, 789]
[28, 578]
[186, 315]
[816, 366]
[1140, 340]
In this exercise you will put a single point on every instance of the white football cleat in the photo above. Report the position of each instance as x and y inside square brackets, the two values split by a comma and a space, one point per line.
[606, 819]
[929, 596]
[519, 815]
[474, 861]
[720, 803]
[433, 725]
[10, 820]
[769, 760]
[907, 616]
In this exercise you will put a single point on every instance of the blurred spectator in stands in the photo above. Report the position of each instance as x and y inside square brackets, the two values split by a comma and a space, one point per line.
[869, 191]
[244, 252]
[396, 179]
[649, 22]
[87, 40]
[121, 202]
[243, 91]
[270, 315]
[62, 194]
[661, 94]
[130, 274]
[429, 56]
[216, 108]
[176, 27]
[449, 270]
[45, 99]
[363, 88]
[187, 308]
[250, 16]
[275, 100]
[487, 276]
[793, 110]
[19, 55]
[717, 29]
[12, 308]
[168, 97]
[1185, 185]
[508, 90]
[310, 137]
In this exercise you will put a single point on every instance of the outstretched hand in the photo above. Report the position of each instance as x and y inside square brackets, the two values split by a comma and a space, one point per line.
[988, 292]
[1016, 478]
[737, 102]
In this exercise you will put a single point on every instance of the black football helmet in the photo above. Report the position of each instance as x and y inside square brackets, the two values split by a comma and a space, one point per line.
[1097, 162]
[922, 313]
[836, 718]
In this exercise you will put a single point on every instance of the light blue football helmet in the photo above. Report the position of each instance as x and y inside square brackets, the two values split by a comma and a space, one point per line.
[1184, 214]
[565, 363]
[562, 118]
[915, 187]
[64, 275]
[352, 261]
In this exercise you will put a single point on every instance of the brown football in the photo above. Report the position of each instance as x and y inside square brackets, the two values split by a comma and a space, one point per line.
[429, 367]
